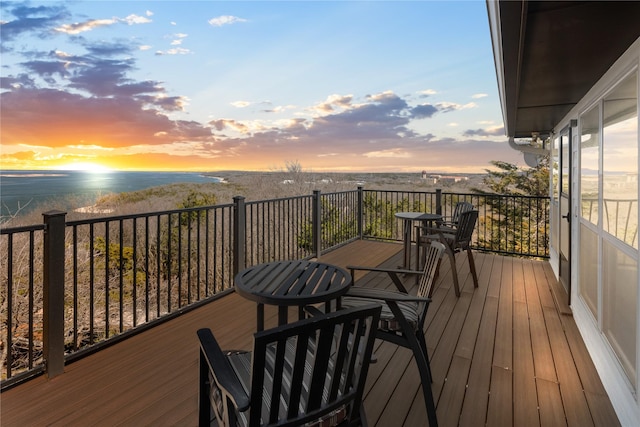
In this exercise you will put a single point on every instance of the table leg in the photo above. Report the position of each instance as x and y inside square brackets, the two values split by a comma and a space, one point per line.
[283, 317]
[407, 243]
[260, 317]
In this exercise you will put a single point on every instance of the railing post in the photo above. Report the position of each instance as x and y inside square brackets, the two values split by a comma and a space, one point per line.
[317, 223]
[439, 201]
[239, 234]
[53, 303]
[360, 212]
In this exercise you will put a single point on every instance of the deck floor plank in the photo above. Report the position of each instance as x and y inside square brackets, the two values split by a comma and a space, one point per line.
[479, 383]
[500, 407]
[551, 410]
[575, 404]
[488, 354]
[450, 401]
[524, 384]
[543, 360]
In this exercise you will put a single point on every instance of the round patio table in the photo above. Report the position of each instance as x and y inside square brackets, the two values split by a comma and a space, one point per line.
[291, 283]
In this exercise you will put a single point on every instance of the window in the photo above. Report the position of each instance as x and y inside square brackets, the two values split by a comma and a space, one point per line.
[555, 172]
[590, 164]
[620, 294]
[620, 162]
[609, 218]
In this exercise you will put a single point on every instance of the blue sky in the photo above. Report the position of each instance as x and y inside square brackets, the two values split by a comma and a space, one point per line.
[209, 85]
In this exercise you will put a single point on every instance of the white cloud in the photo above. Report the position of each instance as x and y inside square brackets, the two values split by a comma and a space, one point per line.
[135, 19]
[225, 20]
[390, 153]
[175, 51]
[91, 147]
[281, 108]
[446, 107]
[427, 92]
[479, 95]
[81, 27]
[333, 102]
[92, 24]
[241, 104]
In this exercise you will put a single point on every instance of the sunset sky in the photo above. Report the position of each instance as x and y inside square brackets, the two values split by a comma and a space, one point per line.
[249, 85]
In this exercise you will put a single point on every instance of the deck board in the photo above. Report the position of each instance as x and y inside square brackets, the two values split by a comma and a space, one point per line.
[507, 353]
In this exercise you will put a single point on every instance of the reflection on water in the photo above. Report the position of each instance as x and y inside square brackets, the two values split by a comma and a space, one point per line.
[24, 190]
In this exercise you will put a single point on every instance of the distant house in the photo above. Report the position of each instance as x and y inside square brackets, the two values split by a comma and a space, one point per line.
[444, 179]
[568, 74]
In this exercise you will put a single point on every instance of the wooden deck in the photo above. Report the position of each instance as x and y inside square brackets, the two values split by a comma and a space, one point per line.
[502, 354]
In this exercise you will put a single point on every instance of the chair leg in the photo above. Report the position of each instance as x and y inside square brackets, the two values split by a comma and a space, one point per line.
[204, 403]
[420, 256]
[425, 378]
[472, 266]
[454, 271]
[363, 417]
[423, 344]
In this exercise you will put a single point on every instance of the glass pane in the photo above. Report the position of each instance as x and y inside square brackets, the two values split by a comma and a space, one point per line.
[620, 162]
[555, 164]
[564, 163]
[589, 269]
[620, 293]
[590, 164]
[555, 179]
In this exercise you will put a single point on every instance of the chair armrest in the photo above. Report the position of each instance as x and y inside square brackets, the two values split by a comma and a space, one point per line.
[428, 229]
[383, 270]
[444, 234]
[381, 294]
[313, 311]
[221, 369]
[392, 272]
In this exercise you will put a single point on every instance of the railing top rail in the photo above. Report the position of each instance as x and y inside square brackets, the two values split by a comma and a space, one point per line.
[145, 214]
[520, 196]
[399, 191]
[339, 192]
[280, 199]
[21, 229]
[457, 194]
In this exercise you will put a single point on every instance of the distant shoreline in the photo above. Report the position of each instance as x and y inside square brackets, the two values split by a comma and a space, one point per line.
[23, 191]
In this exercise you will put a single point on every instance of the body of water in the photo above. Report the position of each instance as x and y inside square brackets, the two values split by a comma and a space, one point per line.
[23, 191]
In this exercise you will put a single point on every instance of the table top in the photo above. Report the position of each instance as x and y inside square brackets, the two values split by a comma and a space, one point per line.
[418, 216]
[292, 282]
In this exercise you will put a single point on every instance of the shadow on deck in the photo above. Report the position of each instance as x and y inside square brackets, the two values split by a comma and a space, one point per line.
[502, 354]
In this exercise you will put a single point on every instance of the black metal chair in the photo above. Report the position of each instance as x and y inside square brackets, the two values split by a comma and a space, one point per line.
[311, 372]
[457, 241]
[403, 315]
[449, 224]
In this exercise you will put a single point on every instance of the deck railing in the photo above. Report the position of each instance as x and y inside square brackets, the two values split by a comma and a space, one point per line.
[507, 224]
[72, 287]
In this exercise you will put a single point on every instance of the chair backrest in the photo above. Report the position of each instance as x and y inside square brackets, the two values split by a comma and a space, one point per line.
[466, 224]
[312, 368]
[433, 257]
[461, 207]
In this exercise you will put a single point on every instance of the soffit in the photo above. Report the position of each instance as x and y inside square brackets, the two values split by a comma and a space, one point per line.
[554, 52]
